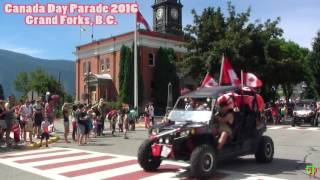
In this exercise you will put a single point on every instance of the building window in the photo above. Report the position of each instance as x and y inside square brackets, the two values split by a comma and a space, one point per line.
[89, 67]
[86, 67]
[103, 65]
[151, 60]
[107, 64]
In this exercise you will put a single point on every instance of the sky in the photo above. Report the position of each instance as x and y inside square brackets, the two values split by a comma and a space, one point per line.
[300, 20]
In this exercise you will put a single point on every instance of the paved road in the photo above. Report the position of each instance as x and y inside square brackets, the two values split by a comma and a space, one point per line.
[114, 157]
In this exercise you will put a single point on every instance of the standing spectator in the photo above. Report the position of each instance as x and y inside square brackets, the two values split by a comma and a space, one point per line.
[94, 124]
[17, 114]
[120, 121]
[146, 117]
[132, 116]
[65, 113]
[112, 117]
[26, 117]
[151, 113]
[45, 131]
[101, 117]
[9, 117]
[49, 112]
[38, 117]
[74, 122]
[3, 124]
[125, 122]
[81, 121]
[16, 132]
[274, 113]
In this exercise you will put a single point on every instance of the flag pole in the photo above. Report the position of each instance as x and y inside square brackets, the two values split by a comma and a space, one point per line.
[135, 64]
[221, 69]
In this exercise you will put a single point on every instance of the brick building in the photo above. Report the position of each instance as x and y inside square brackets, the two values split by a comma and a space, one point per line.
[97, 65]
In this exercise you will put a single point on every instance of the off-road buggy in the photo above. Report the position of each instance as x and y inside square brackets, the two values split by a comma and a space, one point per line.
[192, 134]
[304, 112]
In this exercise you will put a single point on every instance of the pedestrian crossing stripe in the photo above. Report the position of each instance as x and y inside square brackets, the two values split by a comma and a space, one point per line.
[293, 128]
[74, 164]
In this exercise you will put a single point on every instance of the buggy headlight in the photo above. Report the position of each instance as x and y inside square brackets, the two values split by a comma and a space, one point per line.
[161, 140]
[185, 133]
[167, 141]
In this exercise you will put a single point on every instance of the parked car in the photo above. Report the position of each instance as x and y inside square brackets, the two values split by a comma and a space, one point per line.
[304, 112]
[192, 134]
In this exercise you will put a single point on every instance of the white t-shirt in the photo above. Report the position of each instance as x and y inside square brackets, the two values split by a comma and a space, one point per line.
[26, 111]
[151, 111]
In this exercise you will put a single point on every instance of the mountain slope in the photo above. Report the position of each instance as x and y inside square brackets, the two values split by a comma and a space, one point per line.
[11, 63]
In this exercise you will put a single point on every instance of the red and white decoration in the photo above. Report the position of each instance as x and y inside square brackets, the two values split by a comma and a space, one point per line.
[251, 80]
[209, 82]
[228, 75]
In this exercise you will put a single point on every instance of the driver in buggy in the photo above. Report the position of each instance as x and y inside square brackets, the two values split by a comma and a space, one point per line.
[225, 118]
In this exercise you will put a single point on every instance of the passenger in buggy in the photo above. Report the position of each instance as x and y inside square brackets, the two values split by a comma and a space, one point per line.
[225, 118]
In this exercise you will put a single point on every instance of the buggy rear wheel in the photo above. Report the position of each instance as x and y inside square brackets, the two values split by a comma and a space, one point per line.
[203, 161]
[265, 150]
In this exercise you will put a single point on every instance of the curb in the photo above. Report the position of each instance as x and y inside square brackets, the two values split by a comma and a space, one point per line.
[37, 144]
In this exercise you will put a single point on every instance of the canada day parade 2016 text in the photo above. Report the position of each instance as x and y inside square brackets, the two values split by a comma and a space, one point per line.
[52, 8]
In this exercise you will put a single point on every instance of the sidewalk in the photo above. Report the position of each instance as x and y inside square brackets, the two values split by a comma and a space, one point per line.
[26, 145]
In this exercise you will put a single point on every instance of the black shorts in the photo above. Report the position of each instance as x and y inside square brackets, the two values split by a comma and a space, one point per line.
[45, 135]
[38, 119]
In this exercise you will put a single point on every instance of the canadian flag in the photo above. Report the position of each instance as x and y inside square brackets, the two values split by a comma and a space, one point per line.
[141, 19]
[208, 81]
[251, 80]
[227, 74]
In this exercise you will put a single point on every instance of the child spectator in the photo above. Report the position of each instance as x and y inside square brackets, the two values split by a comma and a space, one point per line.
[16, 132]
[146, 117]
[45, 131]
[74, 123]
[94, 124]
[120, 121]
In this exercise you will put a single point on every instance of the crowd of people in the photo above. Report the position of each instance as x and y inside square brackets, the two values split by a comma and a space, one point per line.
[25, 117]
[30, 120]
[89, 120]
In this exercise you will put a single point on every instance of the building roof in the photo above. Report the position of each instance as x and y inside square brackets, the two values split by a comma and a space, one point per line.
[145, 38]
[131, 33]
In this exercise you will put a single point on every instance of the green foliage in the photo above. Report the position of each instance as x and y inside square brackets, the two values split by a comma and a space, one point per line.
[22, 83]
[123, 58]
[126, 76]
[38, 81]
[253, 47]
[1, 93]
[314, 63]
[165, 72]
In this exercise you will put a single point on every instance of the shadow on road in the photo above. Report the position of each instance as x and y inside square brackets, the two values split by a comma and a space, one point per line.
[244, 168]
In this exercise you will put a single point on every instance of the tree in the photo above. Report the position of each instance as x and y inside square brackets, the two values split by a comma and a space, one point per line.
[314, 64]
[254, 47]
[1, 93]
[123, 57]
[38, 81]
[126, 76]
[22, 83]
[165, 72]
